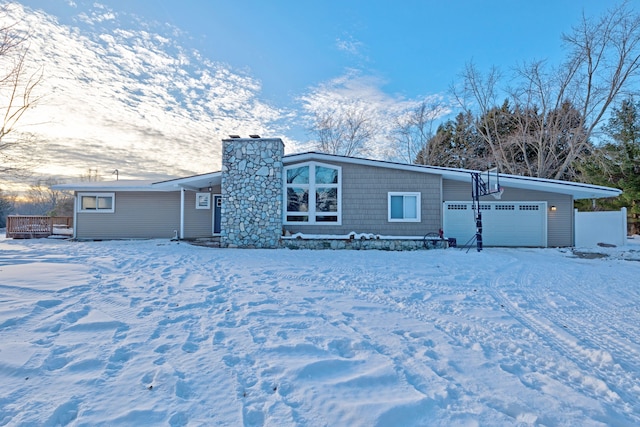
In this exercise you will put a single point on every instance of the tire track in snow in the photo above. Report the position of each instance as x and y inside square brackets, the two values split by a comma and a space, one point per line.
[563, 336]
[374, 288]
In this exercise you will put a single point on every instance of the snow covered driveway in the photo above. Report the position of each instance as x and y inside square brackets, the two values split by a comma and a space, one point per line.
[161, 333]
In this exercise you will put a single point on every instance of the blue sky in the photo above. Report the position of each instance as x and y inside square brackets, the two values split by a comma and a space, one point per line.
[415, 48]
[262, 63]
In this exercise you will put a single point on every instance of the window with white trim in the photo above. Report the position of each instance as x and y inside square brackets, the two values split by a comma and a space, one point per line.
[96, 202]
[313, 194]
[403, 207]
[203, 200]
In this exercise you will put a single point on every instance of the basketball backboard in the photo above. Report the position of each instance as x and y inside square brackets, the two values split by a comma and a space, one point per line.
[485, 183]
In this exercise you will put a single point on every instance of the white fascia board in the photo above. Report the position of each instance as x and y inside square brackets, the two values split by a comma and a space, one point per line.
[111, 186]
[450, 173]
[576, 189]
[191, 182]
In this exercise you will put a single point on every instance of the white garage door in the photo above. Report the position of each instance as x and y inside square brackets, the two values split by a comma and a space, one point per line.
[503, 223]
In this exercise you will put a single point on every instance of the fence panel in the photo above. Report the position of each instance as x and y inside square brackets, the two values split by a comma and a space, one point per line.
[601, 227]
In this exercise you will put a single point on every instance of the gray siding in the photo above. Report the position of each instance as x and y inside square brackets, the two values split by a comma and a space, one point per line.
[137, 215]
[559, 223]
[198, 222]
[364, 202]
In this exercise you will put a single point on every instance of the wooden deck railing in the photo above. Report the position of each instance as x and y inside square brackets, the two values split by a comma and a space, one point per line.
[34, 226]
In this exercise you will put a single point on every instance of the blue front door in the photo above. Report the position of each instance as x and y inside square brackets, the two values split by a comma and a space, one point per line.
[217, 210]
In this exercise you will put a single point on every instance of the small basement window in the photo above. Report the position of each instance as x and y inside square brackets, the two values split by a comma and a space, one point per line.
[403, 207]
[96, 202]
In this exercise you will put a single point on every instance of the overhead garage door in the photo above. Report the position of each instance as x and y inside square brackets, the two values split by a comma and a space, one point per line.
[503, 223]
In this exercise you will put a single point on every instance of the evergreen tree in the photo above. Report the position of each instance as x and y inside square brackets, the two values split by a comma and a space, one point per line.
[617, 163]
[6, 208]
[456, 143]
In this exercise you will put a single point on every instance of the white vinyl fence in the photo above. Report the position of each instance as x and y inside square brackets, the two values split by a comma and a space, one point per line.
[601, 227]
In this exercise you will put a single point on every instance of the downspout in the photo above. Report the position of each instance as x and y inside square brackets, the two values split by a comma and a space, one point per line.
[182, 213]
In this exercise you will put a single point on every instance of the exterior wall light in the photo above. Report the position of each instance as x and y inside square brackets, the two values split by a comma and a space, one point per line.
[553, 208]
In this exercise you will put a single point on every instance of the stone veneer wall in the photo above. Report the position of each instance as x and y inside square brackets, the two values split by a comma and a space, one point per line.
[251, 192]
[357, 244]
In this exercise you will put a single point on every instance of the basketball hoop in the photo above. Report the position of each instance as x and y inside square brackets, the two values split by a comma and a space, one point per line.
[498, 194]
[483, 186]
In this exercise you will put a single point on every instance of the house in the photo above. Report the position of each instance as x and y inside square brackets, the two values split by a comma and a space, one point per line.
[262, 198]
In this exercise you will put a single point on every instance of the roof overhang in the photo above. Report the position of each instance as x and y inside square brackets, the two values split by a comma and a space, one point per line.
[193, 183]
[575, 189]
[120, 185]
[196, 182]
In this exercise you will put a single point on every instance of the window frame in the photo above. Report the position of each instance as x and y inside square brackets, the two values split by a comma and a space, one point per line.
[96, 195]
[405, 194]
[203, 197]
[312, 190]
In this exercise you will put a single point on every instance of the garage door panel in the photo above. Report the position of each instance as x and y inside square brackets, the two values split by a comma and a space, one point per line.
[458, 221]
[504, 223]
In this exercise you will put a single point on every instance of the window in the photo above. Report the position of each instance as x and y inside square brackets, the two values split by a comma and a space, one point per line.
[313, 194]
[96, 202]
[404, 207]
[203, 200]
[529, 207]
[457, 207]
[505, 207]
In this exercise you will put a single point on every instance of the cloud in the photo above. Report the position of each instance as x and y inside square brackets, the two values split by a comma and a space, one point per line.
[349, 45]
[133, 99]
[365, 93]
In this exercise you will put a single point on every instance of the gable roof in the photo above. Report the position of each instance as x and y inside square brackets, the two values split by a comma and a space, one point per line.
[576, 189]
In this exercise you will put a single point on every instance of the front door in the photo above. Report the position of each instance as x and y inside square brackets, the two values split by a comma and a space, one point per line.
[217, 210]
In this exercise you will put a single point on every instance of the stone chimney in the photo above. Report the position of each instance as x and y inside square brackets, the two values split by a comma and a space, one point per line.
[252, 186]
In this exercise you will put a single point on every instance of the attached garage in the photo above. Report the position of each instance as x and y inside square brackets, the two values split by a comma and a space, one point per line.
[505, 223]
[392, 201]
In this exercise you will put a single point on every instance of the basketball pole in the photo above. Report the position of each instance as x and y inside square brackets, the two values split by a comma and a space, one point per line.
[476, 188]
[481, 188]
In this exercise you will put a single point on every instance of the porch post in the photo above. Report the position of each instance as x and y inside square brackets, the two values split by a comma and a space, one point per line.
[75, 214]
[182, 213]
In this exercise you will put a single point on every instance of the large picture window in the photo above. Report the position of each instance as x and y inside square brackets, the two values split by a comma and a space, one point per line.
[313, 194]
[96, 202]
[404, 207]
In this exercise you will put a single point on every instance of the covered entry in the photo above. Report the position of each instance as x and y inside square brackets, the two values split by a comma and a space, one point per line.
[504, 223]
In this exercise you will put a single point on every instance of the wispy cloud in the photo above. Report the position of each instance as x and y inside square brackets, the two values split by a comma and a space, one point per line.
[349, 45]
[113, 94]
[120, 93]
[365, 92]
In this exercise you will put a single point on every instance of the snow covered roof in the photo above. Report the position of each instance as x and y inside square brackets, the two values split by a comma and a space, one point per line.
[118, 185]
[194, 182]
[191, 182]
[576, 189]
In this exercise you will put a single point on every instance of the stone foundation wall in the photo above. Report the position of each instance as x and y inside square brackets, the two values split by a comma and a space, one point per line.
[251, 214]
[357, 244]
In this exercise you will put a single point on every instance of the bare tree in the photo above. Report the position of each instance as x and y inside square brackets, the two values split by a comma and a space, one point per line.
[17, 86]
[414, 131]
[553, 113]
[47, 201]
[344, 130]
[91, 175]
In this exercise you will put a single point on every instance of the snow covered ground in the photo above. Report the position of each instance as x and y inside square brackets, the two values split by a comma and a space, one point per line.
[165, 333]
